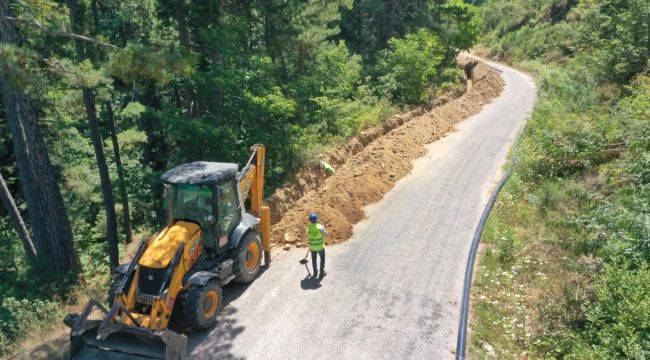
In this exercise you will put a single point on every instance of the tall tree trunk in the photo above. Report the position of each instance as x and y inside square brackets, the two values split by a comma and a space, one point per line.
[126, 213]
[392, 10]
[46, 211]
[180, 12]
[95, 12]
[76, 22]
[16, 219]
[107, 190]
[148, 122]
[358, 25]
[386, 24]
[183, 31]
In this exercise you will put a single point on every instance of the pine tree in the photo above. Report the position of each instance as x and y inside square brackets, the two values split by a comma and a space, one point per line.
[47, 213]
[76, 21]
[124, 194]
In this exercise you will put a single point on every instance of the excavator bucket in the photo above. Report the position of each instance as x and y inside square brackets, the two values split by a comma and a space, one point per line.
[101, 339]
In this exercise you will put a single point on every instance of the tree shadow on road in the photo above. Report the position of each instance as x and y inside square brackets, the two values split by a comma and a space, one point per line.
[216, 343]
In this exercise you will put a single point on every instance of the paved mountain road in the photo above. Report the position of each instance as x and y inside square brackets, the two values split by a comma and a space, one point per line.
[394, 289]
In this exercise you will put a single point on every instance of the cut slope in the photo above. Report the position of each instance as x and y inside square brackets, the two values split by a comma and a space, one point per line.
[369, 165]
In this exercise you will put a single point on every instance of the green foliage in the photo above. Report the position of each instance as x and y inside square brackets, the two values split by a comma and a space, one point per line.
[136, 61]
[14, 64]
[618, 321]
[345, 104]
[580, 195]
[369, 25]
[78, 75]
[581, 200]
[133, 110]
[505, 246]
[458, 23]
[616, 33]
[409, 66]
[338, 73]
[17, 317]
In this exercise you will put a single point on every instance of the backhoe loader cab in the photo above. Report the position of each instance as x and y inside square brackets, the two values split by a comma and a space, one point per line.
[205, 193]
[175, 279]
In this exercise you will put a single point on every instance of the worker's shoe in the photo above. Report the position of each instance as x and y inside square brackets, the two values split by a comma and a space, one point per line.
[316, 274]
[322, 274]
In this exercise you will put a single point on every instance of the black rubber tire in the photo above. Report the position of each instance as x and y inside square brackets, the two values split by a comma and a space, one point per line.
[242, 273]
[113, 288]
[190, 312]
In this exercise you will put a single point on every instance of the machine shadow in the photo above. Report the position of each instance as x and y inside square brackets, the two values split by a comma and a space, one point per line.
[56, 348]
[216, 343]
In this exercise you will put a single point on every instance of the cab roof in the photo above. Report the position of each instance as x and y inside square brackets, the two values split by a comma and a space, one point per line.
[200, 173]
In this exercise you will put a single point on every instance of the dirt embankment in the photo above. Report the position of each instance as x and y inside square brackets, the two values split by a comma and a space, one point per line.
[369, 164]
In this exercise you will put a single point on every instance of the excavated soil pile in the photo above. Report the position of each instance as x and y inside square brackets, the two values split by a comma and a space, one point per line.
[369, 165]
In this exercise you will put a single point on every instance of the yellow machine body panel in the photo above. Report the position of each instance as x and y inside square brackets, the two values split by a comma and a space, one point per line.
[159, 254]
[161, 251]
[251, 184]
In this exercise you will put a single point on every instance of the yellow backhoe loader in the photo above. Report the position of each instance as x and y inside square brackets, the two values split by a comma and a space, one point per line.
[174, 281]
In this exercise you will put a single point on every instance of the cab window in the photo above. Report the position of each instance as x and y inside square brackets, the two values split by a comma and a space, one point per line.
[189, 202]
[227, 211]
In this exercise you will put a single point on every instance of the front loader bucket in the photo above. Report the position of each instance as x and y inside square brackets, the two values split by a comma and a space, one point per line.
[123, 342]
[119, 346]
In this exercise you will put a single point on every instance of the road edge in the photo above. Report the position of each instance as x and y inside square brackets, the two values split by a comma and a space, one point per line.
[463, 320]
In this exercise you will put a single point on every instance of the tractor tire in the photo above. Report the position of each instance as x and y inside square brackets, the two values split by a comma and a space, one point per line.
[248, 258]
[198, 307]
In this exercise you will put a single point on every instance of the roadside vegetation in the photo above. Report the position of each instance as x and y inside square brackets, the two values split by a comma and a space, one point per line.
[168, 82]
[564, 270]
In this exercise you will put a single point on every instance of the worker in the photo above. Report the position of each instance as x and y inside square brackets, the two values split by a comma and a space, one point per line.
[327, 167]
[316, 237]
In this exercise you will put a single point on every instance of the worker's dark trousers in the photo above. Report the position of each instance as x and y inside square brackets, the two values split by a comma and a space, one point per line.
[322, 260]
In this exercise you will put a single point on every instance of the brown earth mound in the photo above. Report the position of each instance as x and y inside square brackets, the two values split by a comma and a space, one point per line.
[369, 165]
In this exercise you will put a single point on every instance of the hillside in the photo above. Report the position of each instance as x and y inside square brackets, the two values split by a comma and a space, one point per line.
[564, 270]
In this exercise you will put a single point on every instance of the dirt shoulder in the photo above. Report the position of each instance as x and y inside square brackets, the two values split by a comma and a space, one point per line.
[370, 164]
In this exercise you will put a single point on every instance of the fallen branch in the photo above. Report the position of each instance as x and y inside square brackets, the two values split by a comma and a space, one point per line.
[39, 26]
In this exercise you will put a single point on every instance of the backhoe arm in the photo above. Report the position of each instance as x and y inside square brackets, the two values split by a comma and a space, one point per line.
[251, 183]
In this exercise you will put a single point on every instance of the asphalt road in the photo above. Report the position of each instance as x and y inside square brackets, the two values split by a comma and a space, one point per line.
[393, 291]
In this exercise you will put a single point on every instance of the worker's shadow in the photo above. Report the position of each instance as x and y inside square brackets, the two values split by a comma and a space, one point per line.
[310, 282]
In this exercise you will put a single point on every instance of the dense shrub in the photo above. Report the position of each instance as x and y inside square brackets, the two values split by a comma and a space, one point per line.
[409, 67]
[618, 321]
[17, 317]
[614, 32]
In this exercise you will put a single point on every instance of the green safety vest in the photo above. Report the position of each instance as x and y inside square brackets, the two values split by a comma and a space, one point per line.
[315, 237]
[328, 168]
